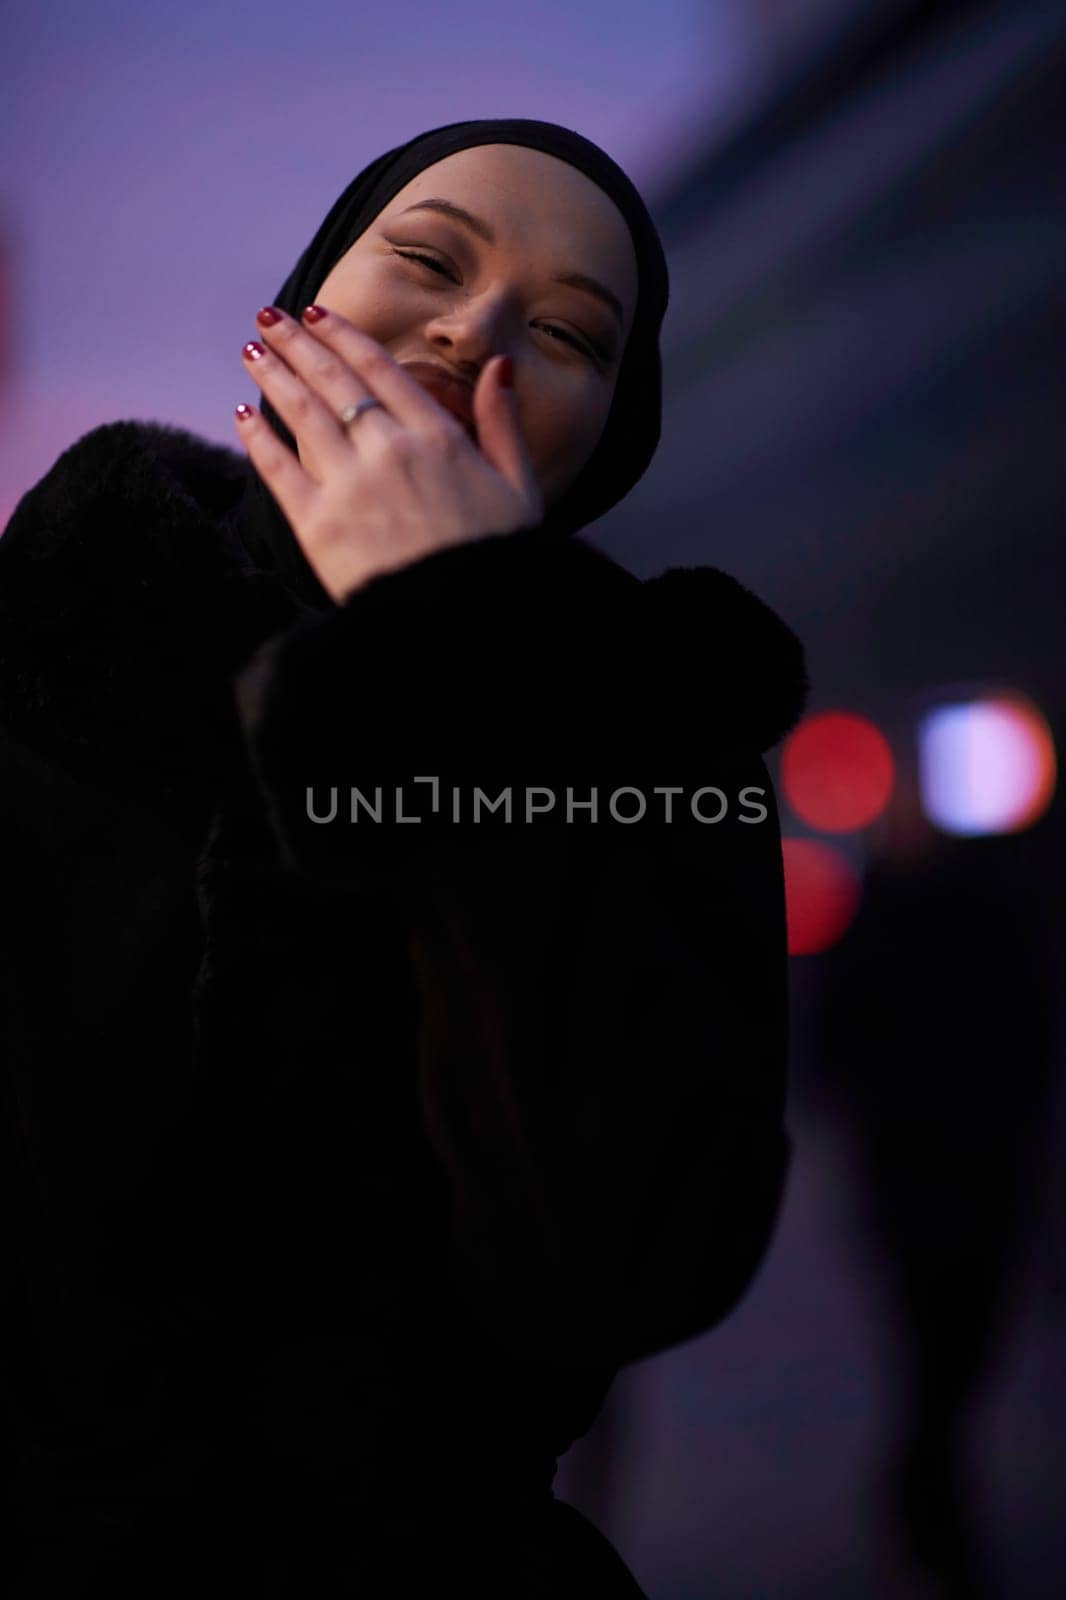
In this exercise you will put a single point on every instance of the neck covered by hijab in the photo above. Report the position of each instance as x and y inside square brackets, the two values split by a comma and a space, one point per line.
[631, 433]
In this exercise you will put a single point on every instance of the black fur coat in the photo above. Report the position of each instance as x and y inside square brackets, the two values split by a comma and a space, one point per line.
[348, 1160]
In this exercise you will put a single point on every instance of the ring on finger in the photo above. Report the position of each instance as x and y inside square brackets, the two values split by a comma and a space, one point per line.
[354, 410]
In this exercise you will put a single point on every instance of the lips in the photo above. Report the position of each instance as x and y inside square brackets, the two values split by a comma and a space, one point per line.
[454, 394]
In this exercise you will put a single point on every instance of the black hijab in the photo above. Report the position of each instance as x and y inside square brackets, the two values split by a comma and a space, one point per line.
[631, 433]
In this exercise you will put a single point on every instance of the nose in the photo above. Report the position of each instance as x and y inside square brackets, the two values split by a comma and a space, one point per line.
[471, 332]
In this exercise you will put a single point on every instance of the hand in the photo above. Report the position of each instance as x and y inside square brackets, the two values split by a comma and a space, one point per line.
[405, 479]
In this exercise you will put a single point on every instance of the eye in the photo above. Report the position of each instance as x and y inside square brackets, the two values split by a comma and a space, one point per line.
[430, 261]
[559, 333]
[563, 333]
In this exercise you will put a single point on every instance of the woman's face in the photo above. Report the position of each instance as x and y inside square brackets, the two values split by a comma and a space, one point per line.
[489, 286]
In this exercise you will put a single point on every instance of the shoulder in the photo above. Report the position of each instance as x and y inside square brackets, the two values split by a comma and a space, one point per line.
[711, 656]
[711, 659]
[728, 644]
[110, 445]
[129, 529]
[122, 488]
[124, 603]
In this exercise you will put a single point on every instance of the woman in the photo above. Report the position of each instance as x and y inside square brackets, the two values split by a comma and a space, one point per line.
[352, 1158]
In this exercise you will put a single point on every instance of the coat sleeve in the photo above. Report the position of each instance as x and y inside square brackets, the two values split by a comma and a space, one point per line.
[602, 1032]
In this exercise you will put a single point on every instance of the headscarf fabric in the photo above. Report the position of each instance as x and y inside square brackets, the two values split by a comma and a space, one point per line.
[633, 425]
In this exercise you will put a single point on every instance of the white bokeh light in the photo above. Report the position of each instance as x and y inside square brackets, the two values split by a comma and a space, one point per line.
[985, 765]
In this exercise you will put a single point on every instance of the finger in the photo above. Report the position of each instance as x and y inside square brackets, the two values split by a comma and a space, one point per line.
[316, 429]
[405, 400]
[500, 434]
[291, 486]
[323, 371]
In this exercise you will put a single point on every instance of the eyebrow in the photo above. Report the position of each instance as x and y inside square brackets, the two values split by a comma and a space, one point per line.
[575, 280]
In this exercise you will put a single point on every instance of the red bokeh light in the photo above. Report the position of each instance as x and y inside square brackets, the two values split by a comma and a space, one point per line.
[837, 771]
[822, 895]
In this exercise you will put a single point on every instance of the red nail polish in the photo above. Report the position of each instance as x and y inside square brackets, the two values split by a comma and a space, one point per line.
[313, 313]
[243, 412]
[253, 350]
[507, 373]
[267, 317]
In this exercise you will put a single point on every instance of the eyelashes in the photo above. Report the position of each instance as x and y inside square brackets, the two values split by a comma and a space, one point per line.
[437, 267]
[430, 261]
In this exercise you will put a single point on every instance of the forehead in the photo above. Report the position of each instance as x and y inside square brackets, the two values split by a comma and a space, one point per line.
[528, 196]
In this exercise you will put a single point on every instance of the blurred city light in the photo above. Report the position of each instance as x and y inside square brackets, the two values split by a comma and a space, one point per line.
[985, 765]
[822, 895]
[837, 771]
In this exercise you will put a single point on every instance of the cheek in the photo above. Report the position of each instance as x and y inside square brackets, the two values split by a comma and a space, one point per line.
[374, 301]
[565, 423]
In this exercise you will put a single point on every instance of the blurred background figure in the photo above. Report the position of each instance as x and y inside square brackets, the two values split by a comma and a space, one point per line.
[935, 1043]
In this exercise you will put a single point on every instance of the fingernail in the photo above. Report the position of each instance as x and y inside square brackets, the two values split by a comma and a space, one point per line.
[253, 350]
[243, 412]
[267, 317]
[313, 313]
[507, 373]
